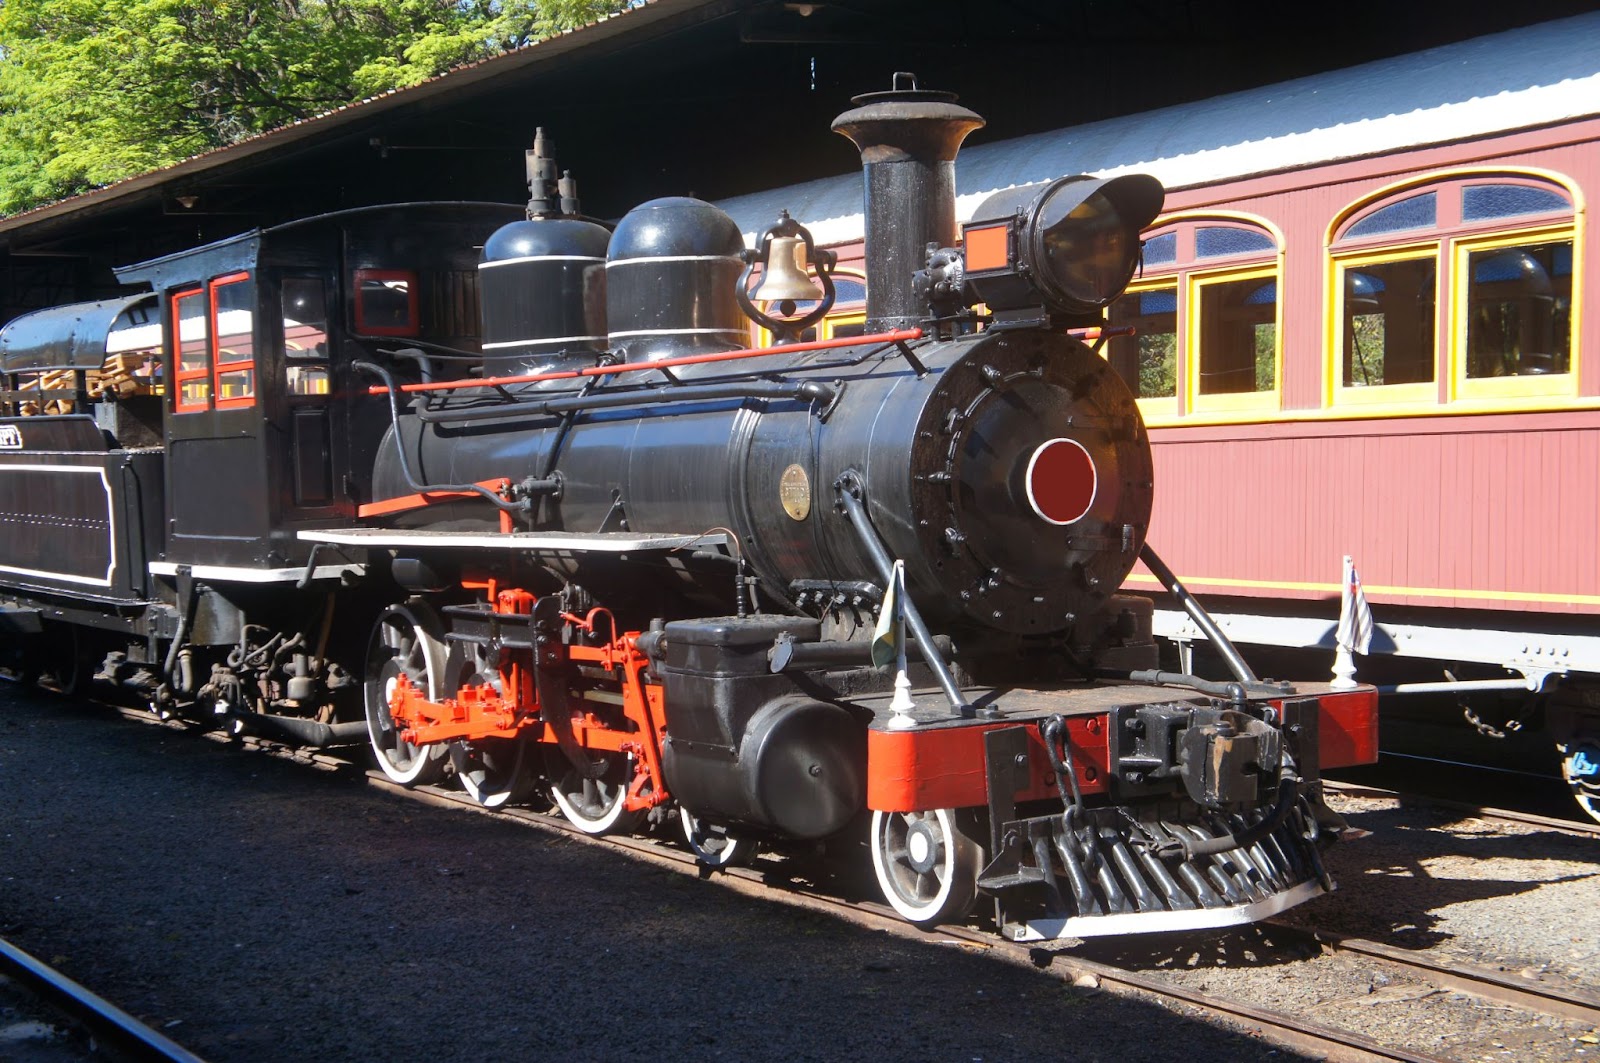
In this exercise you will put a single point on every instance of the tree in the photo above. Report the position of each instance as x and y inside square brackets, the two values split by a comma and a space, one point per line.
[93, 91]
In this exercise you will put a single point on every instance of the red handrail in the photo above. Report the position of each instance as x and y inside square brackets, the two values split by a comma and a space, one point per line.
[896, 336]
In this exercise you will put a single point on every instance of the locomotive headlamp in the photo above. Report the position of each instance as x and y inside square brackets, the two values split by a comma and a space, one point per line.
[1068, 246]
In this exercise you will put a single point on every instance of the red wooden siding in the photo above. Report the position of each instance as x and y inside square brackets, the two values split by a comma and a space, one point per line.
[1489, 511]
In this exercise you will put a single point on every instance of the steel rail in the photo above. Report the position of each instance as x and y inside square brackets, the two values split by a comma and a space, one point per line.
[1506, 815]
[1567, 1002]
[123, 1032]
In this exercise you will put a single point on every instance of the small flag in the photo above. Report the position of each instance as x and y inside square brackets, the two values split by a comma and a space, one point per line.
[889, 634]
[1355, 615]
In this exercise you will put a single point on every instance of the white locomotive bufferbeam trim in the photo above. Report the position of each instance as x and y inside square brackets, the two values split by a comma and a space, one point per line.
[1079, 926]
[111, 528]
[540, 258]
[1535, 654]
[244, 574]
[503, 344]
[539, 542]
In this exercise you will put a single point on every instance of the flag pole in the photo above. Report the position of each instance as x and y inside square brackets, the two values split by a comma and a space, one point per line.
[1344, 664]
[900, 707]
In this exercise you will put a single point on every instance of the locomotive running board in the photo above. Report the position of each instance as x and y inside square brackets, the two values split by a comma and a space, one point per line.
[1080, 926]
[538, 542]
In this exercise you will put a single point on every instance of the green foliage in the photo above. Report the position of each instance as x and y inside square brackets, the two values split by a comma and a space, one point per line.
[1158, 365]
[92, 91]
[1367, 347]
[1266, 337]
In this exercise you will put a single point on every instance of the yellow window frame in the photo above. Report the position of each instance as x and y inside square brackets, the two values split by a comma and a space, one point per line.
[825, 327]
[1490, 391]
[830, 323]
[1164, 408]
[1425, 393]
[1238, 402]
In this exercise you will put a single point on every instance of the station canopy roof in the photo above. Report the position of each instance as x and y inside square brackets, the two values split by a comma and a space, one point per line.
[712, 98]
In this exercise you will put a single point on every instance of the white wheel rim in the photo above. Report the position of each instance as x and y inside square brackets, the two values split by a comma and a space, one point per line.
[425, 653]
[614, 796]
[1581, 777]
[490, 787]
[909, 893]
[712, 846]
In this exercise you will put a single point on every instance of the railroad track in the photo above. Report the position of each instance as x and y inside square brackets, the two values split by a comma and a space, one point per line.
[767, 881]
[122, 1034]
[1327, 1042]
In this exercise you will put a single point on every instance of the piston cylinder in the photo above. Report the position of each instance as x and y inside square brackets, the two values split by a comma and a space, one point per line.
[744, 746]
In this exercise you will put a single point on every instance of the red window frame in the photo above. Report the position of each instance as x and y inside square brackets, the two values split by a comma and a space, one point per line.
[413, 321]
[210, 375]
[219, 368]
[180, 375]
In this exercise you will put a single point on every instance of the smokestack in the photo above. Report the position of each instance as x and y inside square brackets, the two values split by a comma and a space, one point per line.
[908, 139]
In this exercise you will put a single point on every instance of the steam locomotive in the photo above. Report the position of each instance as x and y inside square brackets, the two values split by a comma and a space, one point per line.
[539, 518]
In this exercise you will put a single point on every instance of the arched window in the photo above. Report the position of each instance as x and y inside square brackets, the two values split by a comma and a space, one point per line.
[1457, 289]
[1205, 318]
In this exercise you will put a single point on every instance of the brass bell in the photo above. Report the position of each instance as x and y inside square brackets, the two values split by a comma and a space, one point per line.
[785, 276]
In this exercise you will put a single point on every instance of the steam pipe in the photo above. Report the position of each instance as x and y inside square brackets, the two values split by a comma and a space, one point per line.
[849, 488]
[787, 654]
[806, 391]
[1230, 653]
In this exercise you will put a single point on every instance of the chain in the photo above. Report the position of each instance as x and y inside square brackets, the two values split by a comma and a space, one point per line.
[1511, 726]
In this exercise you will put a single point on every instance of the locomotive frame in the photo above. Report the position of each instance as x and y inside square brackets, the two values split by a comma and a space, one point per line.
[601, 547]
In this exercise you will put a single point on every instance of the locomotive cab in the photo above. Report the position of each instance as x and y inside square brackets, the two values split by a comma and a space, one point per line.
[262, 432]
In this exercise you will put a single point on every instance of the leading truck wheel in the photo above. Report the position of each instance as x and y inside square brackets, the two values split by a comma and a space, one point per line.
[1580, 766]
[405, 641]
[713, 845]
[926, 866]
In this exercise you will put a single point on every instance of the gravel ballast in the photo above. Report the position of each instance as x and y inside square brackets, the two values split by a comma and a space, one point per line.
[257, 909]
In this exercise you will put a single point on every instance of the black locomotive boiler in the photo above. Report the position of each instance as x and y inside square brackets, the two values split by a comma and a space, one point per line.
[601, 547]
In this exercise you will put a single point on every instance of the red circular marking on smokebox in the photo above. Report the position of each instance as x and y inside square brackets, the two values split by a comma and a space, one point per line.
[1062, 481]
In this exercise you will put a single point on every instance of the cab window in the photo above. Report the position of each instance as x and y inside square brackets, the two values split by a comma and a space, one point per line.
[386, 302]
